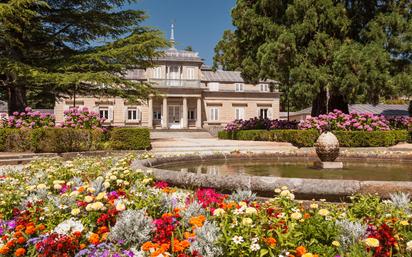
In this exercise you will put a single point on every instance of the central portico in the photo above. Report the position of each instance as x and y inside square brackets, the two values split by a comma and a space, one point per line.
[175, 111]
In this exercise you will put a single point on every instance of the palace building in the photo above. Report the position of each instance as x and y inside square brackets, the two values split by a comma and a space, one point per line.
[190, 95]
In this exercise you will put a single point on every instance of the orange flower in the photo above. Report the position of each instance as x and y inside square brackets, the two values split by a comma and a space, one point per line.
[163, 248]
[80, 189]
[176, 210]
[30, 230]
[270, 241]
[4, 250]
[306, 215]
[10, 244]
[300, 250]
[149, 245]
[82, 246]
[103, 229]
[41, 227]
[104, 236]
[197, 222]
[20, 252]
[180, 246]
[166, 215]
[94, 238]
[188, 235]
[19, 227]
[21, 240]
[18, 234]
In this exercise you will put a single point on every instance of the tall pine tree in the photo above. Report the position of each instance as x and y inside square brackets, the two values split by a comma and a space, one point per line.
[58, 47]
[343, 50]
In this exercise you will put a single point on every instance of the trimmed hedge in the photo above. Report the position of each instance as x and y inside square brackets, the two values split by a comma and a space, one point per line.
[307, 138]
[130, 138]
[60, 140]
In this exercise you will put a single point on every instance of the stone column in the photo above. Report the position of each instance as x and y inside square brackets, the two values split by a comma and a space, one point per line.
[165, 114]
[150, 113]
[199, 113]
[185, 114]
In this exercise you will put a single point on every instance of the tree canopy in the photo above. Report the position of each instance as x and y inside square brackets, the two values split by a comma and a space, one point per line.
[56, 47]
[343, 50]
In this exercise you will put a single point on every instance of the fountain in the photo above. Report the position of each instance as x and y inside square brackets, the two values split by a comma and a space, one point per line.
[327, 149]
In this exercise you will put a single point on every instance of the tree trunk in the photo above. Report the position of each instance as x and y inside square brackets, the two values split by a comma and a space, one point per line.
[17, 99]
[336, 102]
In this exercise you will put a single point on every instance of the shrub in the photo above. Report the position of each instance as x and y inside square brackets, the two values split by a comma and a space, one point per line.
[27, 119]
[130, 138]
[81, 118]
[51, 140]
[260, 123]
[307, 138]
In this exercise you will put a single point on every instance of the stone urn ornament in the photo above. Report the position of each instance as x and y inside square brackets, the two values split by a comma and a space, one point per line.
[327, 149]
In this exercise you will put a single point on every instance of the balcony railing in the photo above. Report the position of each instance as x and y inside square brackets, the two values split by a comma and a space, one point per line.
[176, 83]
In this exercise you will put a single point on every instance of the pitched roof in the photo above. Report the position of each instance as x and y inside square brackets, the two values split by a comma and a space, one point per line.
[224, 76]
[173, 54]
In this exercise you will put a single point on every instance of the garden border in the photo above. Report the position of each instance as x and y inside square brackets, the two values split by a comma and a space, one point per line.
[264, 185]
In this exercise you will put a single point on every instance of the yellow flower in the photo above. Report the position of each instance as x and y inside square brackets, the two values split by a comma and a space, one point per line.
[247, 221]
[41, 186]
[146, 180]
[88, 199]
[218, 212]
[296, 215]
[323, 212]
[120, 207]
[100, 196]
[250, 211]
[314, 206]
[404, 223]
[243, 204]
[307, 255]
[372, 242]
[336, 243]
[75, 211]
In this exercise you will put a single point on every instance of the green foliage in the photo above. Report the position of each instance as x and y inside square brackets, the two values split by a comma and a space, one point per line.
[130, 138]
[66, 46]
[50, 140]
[307, 138]
[358, 51]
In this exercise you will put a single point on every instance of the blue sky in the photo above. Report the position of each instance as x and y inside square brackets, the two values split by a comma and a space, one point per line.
[199, 23]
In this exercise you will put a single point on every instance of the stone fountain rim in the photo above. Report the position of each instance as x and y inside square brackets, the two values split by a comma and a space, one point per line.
[265, 184]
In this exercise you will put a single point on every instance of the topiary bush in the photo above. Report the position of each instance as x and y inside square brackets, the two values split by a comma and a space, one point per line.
[307, 138]
[130, 138]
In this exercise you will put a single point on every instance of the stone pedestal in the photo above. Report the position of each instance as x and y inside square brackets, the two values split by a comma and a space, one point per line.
[329, 165]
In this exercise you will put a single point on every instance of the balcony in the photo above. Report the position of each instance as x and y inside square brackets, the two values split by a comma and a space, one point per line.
[176, 83]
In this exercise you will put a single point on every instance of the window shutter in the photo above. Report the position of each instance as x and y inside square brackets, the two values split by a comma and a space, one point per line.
[139, 115]
[110, 109]
[126, 112]
[269, 113]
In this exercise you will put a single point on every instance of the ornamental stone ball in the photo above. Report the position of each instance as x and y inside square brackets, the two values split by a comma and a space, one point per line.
[327, 147]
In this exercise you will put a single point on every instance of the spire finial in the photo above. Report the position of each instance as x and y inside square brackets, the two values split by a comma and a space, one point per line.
[172, 34]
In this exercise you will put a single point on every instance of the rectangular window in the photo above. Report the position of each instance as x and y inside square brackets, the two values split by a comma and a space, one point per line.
[157, 115]
[213, 86]
[264, 88]
[239, 113]
[214, 114]
[263, 113]
[158, 72]
[104, 113]
[191, 73]
[133, 114]
[239, 87]
[191, 115]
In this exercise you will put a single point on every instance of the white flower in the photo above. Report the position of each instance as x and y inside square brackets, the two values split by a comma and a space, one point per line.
[284, 188]
[106, 184]
[409, 246]
[120, 206]
[296, 215]
[285, 193]
[323, 212]
[254, 247]
[239, 211]
[247, 221]
[237, 240]
[41, 186]
[88, 199]
[100, 196]
[250, 211]
[314, 206]
[218, 212]
[277, 190]
[69, 226]
[75, 211]
[57, 186]
[243, 204]
[254, 240]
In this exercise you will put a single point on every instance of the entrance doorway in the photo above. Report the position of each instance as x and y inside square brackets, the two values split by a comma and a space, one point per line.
[175, 116]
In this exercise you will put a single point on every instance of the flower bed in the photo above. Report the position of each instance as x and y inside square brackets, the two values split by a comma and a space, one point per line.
[307, 138]
[100, 207]
[336, 121]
